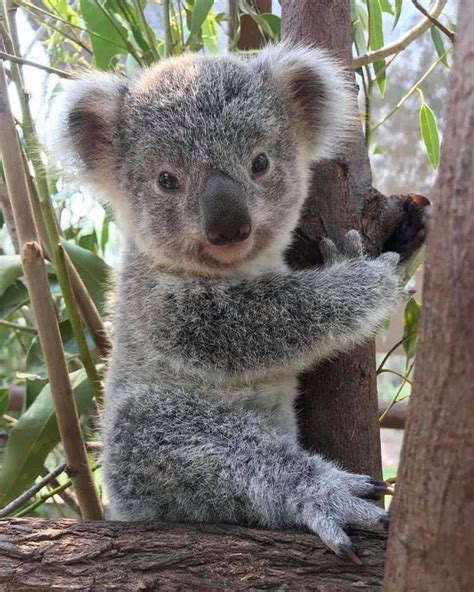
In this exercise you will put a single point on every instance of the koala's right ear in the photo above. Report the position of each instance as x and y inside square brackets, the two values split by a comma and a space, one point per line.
[320, 93]
[83, 124]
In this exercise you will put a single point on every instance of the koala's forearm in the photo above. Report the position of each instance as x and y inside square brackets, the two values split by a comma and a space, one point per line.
[276, 321]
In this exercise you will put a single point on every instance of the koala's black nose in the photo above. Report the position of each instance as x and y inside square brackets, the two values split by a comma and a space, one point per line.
[226, 218]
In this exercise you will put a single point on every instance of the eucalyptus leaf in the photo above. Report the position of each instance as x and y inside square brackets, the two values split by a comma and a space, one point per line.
[430, 134]
[398, 11]
[199, 14]
[33, 437]
[439, 46]
[410, 330]
[14, 297]
[10, 271]
[93, 271]
[110, 43]
[375, 24]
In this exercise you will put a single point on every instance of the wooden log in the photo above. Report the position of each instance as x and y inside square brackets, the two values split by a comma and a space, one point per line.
[66, 555]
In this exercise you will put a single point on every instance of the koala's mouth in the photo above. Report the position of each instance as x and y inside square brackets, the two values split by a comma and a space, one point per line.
[230, 254]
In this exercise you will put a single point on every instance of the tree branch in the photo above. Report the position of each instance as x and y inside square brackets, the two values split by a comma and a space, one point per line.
[20, 501]
[435, 21]
[66, 555]
[388, 50]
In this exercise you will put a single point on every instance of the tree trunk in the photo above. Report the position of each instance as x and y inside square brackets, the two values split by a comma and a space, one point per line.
[66, 555]
[339, 398]
[431, 543]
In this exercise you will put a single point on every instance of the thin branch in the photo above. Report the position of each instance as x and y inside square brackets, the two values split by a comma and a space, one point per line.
[48, 215]
[129, 46]
[392, 349]
[435, 21]
[397, 394]
[58, 18]
[167, 25]
[412, 89]
[43, 21]
[388, 50]
[31, 491]
[389, 371]
[18, 327]
[24, 62]
[67, 497]
[147, 29]
[46, 496]
[84, 301]
[6, 208]
[43, 307]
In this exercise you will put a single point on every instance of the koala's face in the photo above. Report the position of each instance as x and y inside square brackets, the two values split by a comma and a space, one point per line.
[206, 159]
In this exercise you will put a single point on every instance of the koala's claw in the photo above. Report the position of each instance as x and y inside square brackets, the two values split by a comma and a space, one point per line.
[328, 251]
[346, 496]
[347, 552]
[352, 248]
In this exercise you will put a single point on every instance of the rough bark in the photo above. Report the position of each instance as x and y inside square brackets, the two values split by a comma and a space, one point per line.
[431, 545]
[342, 392]
[66, 555]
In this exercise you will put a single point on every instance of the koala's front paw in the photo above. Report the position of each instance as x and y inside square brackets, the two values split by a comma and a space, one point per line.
[411, 233]
[339, 499]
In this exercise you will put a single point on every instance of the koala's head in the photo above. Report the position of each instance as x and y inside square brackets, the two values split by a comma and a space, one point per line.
[206, 159]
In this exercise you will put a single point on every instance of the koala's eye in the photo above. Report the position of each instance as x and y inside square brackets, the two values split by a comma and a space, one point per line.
[259, 163]
[168, 181]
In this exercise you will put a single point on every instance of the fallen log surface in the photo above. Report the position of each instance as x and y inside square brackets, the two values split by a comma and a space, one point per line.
[67, 555]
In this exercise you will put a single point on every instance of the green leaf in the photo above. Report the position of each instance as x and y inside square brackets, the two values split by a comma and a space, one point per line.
[35, 365]
[381, 76]
[4, 399]
[375, 24]
[104, 234]
[93, 271]
[33, 437]
[14, 297]
[111, 43]
[439, 46]
[10, 271]
[198, 16]
[410, 330]
[430, 134]
[386, 6]
[89, 241]
[398, 12]
[274, 22]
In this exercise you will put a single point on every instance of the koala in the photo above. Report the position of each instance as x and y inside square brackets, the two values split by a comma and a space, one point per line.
[206, 161]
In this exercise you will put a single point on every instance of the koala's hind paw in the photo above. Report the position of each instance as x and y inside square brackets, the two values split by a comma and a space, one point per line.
[340, 500]
[352, 248]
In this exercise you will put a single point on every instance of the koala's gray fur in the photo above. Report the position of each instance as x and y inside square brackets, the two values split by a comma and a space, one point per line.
[199, 418]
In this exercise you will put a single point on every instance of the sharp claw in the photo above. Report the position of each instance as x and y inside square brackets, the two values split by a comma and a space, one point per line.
[382, 487]
[348, 553]
[383, 490]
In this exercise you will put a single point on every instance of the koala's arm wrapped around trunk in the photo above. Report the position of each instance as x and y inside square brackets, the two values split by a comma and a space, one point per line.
[276, 321]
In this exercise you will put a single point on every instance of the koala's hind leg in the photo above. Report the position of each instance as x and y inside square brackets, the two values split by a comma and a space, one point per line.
[175, 456]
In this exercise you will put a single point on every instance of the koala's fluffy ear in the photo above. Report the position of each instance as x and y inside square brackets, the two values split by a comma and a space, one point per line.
[320, 95]
[83, 123]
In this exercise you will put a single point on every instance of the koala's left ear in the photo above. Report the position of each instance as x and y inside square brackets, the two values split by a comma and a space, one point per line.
[320, 93]
[83, 127]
